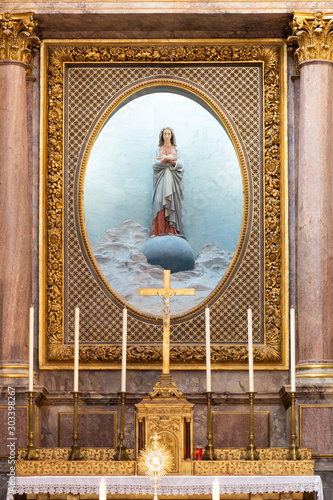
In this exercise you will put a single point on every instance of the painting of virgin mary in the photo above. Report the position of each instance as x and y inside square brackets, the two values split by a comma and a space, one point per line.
[123, 198]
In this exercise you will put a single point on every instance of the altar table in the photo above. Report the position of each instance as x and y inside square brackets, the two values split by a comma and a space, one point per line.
[168, 485]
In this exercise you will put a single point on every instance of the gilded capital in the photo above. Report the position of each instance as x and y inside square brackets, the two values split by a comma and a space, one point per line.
[18, 39]
[311, 34]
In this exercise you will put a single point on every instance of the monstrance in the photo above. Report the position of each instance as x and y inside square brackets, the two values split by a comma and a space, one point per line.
[156, 460]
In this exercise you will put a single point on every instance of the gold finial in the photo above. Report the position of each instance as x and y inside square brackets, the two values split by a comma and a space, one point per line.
[18, 39]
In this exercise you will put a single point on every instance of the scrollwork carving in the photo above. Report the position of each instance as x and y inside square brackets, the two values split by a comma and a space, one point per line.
[255, 468]
[77, 468]
[264, 453]
[94, 454]
[164, 422]
[170, 52]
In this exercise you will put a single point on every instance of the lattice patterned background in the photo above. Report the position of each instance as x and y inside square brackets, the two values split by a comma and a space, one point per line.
[237, 88]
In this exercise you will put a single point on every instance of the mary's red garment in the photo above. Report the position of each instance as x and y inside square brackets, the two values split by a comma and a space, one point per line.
[162, 226]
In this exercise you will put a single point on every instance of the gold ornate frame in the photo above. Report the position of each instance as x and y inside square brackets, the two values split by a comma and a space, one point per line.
[271, 349]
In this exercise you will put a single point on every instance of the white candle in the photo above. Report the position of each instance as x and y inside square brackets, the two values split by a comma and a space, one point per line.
[102, 489]
[76, 351]
[31, 349]
[292, 351]
[216, 489]
[208, 371]
[123, 352]
[249, 327]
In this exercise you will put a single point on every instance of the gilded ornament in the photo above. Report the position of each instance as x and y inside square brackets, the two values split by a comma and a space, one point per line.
[271, 351]
[18, 39]
[62, 454]
[164, 423]
[77, 468]
[234, 454]
[253, 468]
[156, 459]
[311, 37]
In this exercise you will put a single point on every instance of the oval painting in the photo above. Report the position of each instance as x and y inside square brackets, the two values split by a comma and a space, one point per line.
[118, 196]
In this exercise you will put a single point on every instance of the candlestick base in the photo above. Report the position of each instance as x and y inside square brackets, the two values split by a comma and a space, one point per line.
[251, 453]
[121, 453]
[75, 453]
[209, 453]
[251, 450]
[32, 453]
[293, 453]
[76, 450]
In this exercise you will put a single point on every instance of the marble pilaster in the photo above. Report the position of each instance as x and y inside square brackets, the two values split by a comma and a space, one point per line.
[315, 220]
[314, 234]
[17, 35]
[14, 203]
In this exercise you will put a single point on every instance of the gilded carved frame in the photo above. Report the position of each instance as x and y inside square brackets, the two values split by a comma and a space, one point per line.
[272, 352]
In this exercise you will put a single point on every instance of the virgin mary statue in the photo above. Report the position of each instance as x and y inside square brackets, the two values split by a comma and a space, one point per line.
[168, 186]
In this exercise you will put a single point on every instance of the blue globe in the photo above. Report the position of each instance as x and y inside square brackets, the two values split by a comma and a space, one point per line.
[169, 252]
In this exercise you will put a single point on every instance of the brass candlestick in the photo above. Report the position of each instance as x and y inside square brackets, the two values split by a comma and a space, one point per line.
[121, 453]
[76, 450]
[209, 453]
[32, 453]
[251, 450]
[293, 453]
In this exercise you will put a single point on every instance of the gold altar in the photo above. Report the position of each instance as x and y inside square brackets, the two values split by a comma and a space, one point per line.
[99, 461]
[168, 413]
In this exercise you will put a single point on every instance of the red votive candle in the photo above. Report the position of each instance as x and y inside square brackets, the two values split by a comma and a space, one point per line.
[198, 453]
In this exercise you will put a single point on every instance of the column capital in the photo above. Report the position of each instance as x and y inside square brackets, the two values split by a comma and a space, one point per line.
[18, 39]
[311, 35]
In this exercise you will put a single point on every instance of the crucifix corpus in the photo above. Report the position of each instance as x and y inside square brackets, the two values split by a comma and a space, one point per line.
[166, 293]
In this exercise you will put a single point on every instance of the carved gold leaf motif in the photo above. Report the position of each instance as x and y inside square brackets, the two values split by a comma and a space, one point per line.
[311, 35]
[58, 55]
[18, 39]
[99, 461]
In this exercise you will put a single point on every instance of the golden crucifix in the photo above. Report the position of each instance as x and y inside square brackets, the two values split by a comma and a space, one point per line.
[166, 293]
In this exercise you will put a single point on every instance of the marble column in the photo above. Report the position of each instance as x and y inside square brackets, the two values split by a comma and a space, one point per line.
[15, 234]
[315, 195]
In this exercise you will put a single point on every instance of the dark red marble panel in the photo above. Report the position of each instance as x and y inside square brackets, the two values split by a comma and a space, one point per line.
[94, 429]
[231, 429]
[316, 429]
[20, 432]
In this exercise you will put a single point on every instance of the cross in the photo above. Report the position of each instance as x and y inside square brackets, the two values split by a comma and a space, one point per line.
[166, 293]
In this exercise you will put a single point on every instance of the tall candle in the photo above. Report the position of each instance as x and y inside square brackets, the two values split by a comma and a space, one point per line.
[208, 370]
[292, 351]
[249, 327]
[123, 353]
[102, 489]
[31, 349]
[216, 489]
[76, 350]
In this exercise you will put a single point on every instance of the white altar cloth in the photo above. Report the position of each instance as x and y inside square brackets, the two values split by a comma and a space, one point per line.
[168, 485]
